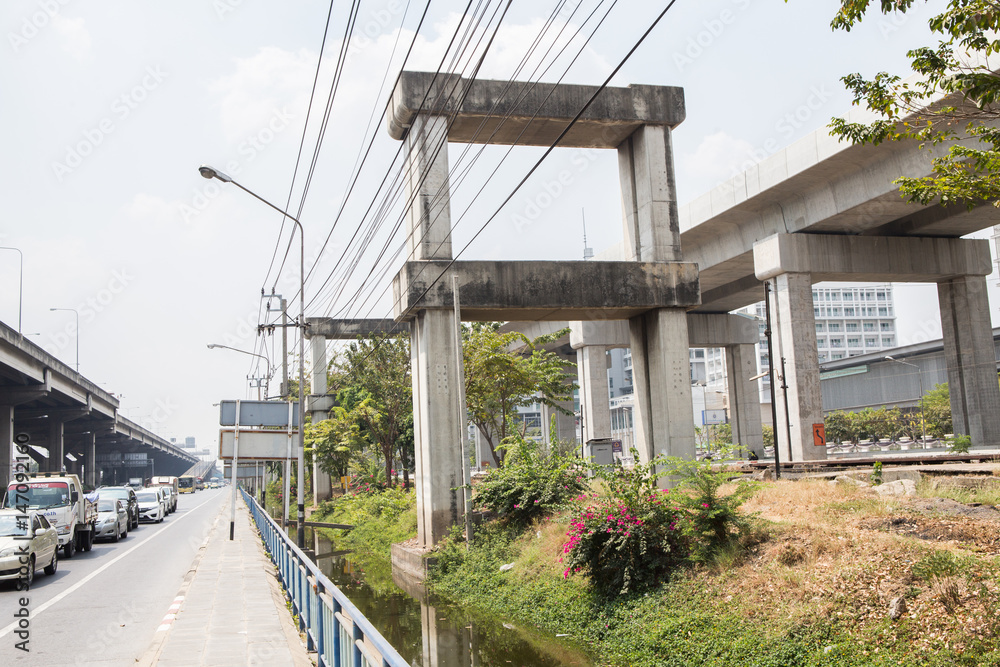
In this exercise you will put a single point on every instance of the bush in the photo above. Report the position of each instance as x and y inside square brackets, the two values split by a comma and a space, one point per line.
[529, 485]
[960, 445]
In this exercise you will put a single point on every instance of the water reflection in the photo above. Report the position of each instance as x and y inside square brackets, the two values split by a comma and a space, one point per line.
[430, 632]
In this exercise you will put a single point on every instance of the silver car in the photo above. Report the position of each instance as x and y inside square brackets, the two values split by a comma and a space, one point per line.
[112, 519]
[25, 542]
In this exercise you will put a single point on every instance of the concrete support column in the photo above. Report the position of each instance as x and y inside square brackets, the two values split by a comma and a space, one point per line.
[428, 223]
[744, 399]
[322, 485]
[794, 327]
[7, 449]
[436, 424]
[968, 350]
[592, 369]
[56, 446]
[649, 199]
[90, 459]
[661, 374]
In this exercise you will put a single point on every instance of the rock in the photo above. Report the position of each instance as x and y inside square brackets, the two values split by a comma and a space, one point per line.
[852, 481]
[897, 607]
[901, 487]
[508, 566]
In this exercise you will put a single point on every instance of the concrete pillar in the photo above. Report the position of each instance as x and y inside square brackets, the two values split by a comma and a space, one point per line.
[969, 353]
[661, 377]
[7, 449]
[659, 338]
[442, 646]
[794, 330]
[592, 370]
[55, 445]
[428, 223]
[436, 424]
[744, 399]
[90, 459]
[322, 485]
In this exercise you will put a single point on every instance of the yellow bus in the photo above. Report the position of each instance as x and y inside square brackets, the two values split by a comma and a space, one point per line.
[185, 484]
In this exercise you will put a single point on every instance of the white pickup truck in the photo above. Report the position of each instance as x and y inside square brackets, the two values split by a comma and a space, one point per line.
[59, 497]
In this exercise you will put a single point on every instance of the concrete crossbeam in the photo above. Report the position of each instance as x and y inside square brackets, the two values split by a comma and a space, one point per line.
[546, 290]
[704, 330]
[871, 258]
[350, 329]
[529, 113]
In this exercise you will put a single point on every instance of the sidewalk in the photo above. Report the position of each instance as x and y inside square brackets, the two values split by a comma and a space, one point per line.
[231, 611]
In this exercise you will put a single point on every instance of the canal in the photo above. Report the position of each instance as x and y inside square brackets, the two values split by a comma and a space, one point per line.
[431, 632]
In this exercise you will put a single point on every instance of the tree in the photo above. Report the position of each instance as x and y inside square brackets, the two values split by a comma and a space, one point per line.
[953, 98]
[335, 440]
[839, 427]
[499, 380]
[377, 377]
[936, 405]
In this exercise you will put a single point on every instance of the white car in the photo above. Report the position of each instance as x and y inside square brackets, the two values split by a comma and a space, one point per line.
[112, 519]
[151, 506]
[171, 498]
[26, 542]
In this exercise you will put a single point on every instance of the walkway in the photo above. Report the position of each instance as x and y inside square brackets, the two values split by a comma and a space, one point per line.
[230, 609]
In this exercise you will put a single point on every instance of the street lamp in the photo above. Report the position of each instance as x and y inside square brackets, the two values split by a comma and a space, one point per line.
[267, 363]
[210, 173]
[20, 285]
[74, 311]
[920, 380]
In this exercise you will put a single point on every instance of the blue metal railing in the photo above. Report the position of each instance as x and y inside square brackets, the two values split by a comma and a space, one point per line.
[334, 628]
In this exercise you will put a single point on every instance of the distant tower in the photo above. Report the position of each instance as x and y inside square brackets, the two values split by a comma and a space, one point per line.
[587, 252]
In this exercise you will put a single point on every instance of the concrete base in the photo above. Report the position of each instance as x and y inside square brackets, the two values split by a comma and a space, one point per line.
[411, 561]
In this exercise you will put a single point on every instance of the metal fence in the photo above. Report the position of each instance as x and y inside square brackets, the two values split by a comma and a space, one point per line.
[334, 628]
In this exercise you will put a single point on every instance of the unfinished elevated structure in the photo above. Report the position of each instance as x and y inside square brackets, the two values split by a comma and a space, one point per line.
[652, 289]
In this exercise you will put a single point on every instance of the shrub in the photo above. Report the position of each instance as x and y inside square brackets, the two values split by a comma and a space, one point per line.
[877, 473]
[529, 484]
[960, 445]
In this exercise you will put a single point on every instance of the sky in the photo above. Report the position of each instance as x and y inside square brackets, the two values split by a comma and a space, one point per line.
[109, 108]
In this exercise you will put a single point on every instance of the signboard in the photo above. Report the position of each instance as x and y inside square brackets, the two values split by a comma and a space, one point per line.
[244, 471]
[819, 435]
[713, 416]
[260, 445]
[258, 413]
[616, 446]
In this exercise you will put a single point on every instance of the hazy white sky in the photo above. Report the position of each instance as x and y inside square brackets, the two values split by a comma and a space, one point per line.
[110, 107]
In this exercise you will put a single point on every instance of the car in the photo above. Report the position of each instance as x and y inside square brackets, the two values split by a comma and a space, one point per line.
[112, 519]
[28, 536]
[164, 494]
[127, 495]
[171, 499]
[150, 505]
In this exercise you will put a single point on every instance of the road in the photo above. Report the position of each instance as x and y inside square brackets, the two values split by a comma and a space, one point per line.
[103, 607]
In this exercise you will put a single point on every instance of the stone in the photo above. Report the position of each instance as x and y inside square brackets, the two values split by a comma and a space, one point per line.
[897, 607]
[901, 487]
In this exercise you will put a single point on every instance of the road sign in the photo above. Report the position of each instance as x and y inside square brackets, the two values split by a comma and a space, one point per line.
[258, 413]
[260, 445]
[819, 435]
[713, 416]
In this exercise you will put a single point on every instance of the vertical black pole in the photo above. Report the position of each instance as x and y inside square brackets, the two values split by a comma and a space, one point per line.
[770, 375]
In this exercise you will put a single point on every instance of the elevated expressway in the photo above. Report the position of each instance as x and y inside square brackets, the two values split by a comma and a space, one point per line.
[73, 420]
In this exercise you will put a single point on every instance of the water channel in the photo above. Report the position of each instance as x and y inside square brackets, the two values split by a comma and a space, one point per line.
[430, 632]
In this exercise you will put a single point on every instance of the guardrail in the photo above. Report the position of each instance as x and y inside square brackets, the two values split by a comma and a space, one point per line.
[334, 628]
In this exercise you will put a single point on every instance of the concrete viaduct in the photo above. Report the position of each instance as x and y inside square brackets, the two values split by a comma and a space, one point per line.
[74, 420]
[818, 210]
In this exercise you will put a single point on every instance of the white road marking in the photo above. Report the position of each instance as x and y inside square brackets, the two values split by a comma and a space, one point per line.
[75, 587]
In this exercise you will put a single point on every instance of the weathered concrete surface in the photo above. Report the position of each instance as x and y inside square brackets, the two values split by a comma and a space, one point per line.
[350, 329]
[871, 258]
[744, 399]
[704, 330]
[530, 114]
[968, 350]
[428, 218]
[534, 290]
[592, 374]
[792, 318]
[650, 222]
[662, 379]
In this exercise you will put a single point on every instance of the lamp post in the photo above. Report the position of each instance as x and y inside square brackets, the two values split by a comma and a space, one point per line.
[920, 380]
[209, 172]
[267, 364]
[20, 285]
[74, 311]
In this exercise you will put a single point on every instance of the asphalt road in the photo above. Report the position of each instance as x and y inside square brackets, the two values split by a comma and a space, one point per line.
[103, 607]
